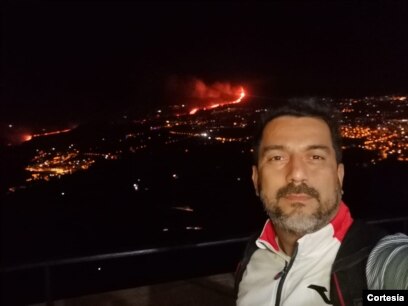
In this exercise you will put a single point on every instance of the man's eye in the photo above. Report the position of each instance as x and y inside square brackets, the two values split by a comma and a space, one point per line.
[275, 158]
[317, 157]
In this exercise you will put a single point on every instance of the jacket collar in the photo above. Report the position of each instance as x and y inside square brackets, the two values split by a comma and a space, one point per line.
[337, 228]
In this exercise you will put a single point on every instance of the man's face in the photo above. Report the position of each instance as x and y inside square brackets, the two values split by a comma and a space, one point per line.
[297, 176]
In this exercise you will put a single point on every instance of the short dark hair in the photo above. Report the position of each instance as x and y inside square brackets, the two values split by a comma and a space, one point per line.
[310, 107]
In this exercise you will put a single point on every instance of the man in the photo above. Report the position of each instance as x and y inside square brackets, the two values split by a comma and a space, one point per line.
[310, 251]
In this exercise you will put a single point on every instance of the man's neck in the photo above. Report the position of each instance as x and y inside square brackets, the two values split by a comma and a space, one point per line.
[287, 240]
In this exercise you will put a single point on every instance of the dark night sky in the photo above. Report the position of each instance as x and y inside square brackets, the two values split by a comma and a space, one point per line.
[72, 61]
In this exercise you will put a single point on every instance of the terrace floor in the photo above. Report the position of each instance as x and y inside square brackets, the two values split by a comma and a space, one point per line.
[211, 290]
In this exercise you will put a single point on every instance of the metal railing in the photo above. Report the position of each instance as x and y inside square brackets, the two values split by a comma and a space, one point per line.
[50, 268]
[118, 255]
[233, 246]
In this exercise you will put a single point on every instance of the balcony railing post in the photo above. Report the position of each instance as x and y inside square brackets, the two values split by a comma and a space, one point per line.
[47, 283]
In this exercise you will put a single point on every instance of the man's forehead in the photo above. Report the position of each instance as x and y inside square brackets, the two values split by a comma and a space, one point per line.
[297, 123]
[287, 128]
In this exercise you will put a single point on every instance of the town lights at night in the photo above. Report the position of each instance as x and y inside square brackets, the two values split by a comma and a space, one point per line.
[377, 125]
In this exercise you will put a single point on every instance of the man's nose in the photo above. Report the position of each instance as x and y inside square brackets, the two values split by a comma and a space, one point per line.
[296, 170]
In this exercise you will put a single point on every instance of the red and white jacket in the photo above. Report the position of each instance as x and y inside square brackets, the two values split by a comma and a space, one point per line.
[273, 278]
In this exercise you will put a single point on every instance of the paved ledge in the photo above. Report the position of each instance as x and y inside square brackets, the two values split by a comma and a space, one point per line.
[211, 290]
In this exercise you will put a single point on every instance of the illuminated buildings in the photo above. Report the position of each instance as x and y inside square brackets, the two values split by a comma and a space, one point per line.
[54, 164]
[374, 124]
[380, 124]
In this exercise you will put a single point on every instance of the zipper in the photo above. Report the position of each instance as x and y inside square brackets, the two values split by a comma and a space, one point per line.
[283, 274]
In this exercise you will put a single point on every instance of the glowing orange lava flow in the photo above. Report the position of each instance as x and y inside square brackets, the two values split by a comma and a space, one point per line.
[27, 137]
[52, 133]
[194, 110]
[241, 96]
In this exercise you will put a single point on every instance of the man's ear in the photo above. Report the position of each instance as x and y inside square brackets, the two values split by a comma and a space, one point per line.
[255, 179]
[340, 173]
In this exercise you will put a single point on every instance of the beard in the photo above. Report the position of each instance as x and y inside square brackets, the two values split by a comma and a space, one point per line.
[299, 222]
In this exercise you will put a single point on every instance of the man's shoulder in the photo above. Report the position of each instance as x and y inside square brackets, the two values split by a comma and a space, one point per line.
[357, 244]
[361, 234]
[366, 231]
[249, 250]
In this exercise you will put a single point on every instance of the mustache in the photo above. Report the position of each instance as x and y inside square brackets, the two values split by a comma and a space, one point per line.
[291, 188]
